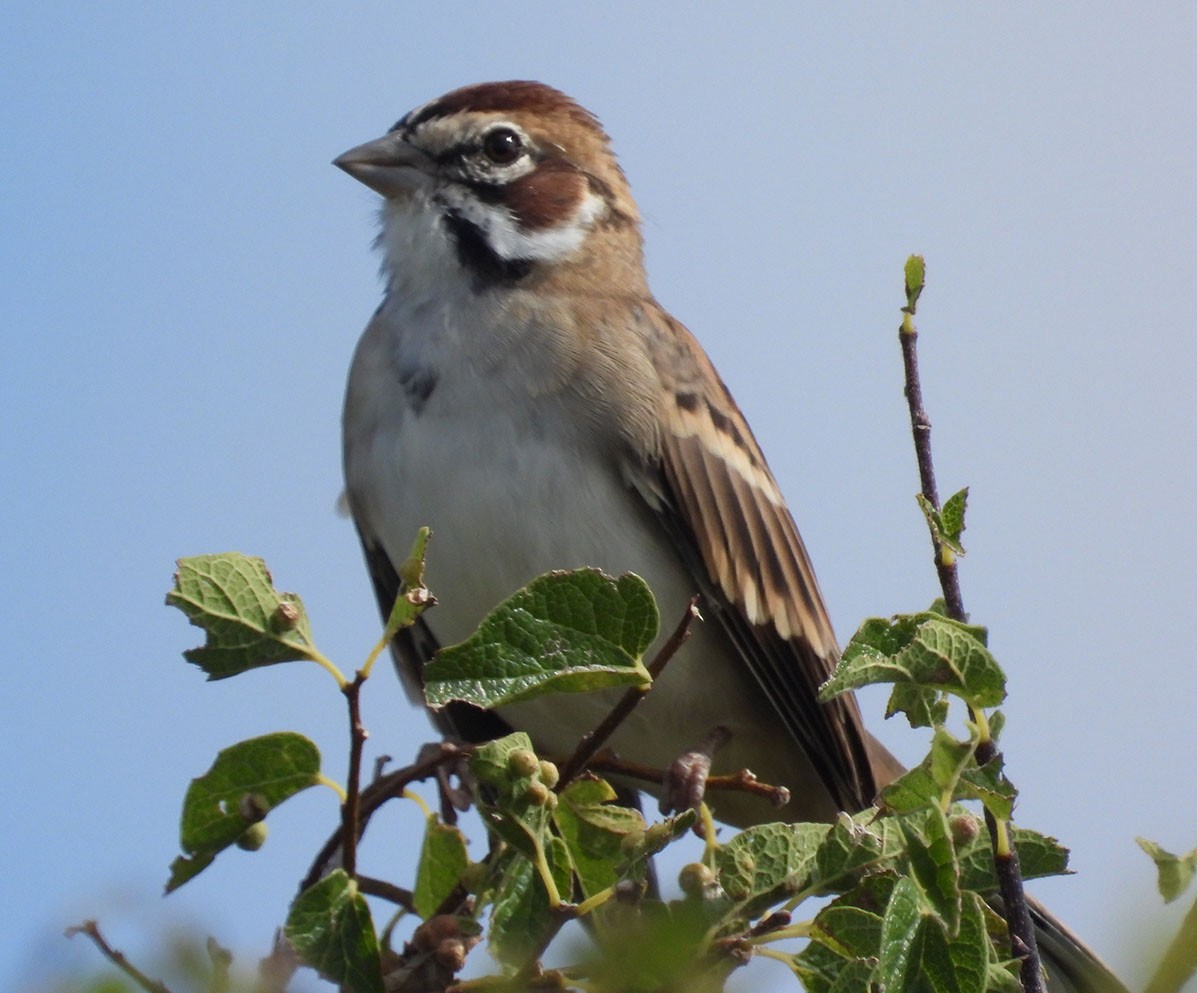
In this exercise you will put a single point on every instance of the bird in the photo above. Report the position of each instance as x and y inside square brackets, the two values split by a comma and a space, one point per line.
[522, 393]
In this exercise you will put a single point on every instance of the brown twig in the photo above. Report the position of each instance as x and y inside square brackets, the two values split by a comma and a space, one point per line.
[1006, 864]
[590, 744]
[350, 810]
[387, 891]
[91, 929]
[738, 782]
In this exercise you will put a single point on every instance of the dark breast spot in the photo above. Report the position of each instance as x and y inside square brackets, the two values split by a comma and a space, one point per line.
[418, 385]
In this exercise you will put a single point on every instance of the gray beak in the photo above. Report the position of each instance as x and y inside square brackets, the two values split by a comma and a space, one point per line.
[389, 165]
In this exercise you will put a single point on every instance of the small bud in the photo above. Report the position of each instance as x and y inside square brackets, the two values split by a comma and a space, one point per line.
[253, 837]
[451, 953]
[946, 556]
[538, 794]
[522, 762]
[964, 828]
[695, 879]
[549, 774]
[286, 616]
[253, 807]
[435, 931]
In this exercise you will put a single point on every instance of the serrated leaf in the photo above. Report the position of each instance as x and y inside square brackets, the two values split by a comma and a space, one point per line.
[952, 519]
[521, 905]
[987, 784]
[564, 632]
[925, 649]
[593, 830]
[823, 970]
[249, 624]
[443, 860]
[853, 845]
[919, 955]
[913, 790]
[330, 927]
[933, 865]
[846, 937]
[948, 759]
[1175, 871]
[513, 807]
[971, 948]
[1038, 855]
[947, 523]
[923, 708]
[245, 782]
[899, 964]
[850, 932]
[765, 864]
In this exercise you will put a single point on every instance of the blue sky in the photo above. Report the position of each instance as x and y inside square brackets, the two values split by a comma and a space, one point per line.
[183, 276]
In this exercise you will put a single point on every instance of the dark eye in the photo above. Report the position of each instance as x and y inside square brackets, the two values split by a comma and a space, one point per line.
[502, 146]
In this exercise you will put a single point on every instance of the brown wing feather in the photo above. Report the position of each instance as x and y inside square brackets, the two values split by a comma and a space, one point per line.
[719, 500]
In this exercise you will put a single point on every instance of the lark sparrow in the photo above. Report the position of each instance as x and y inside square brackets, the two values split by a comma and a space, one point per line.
[520, 391]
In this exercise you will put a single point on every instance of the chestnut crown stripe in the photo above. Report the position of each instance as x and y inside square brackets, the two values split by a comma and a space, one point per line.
[527, 96]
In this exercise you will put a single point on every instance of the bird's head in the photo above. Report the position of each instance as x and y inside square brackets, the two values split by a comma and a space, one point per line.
[519, 178]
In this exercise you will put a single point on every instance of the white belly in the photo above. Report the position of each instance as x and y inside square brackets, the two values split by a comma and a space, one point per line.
[510, 492]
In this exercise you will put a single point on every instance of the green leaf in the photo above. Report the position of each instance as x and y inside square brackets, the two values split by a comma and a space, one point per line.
[898, 966]
[952, 519]
[249, 624]
[852, 845]
[933, 865]
[913, 790]
[521, 911]
[1038, 855]
[923, 708]
[443, 861]
[564, 632]
[767, 863]
[971, 948]
[946, 524]
[516, 807]
[926, 649]
[1175, 871]
[917, 955]
[846, 937]
[245, 782]
[593, 830]
[948, 760]
[330, 927]
[823, 970]
[987, 784]
[413, 598]
[915, 274]
[851, 932]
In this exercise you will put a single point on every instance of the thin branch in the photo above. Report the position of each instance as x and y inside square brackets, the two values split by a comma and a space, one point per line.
[387, 891]
[350, 809]
[743, 781]
[920, 425]
[91, 930]
[590, 744]
[1005, 857]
